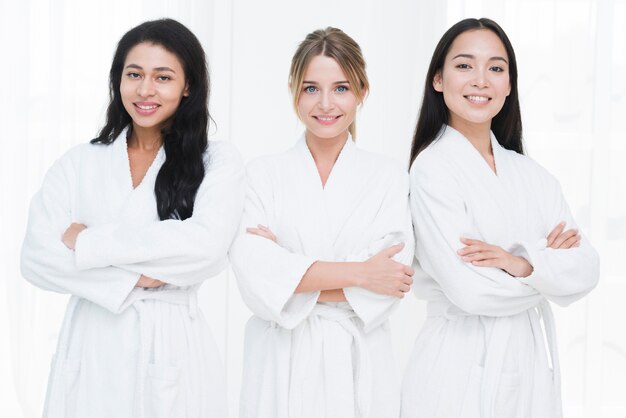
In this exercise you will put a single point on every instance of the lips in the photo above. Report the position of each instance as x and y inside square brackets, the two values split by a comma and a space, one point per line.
[327, 119]
[477, 99]
[146, 108]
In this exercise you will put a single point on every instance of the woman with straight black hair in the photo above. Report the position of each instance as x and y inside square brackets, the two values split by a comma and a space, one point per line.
[130, 225]
[490, 226]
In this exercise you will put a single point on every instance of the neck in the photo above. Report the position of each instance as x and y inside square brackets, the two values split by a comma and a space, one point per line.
[479, 135]
[324, 150]
[145, 139]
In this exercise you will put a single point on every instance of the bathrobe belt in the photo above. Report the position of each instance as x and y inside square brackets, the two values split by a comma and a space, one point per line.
[332, 359]
[496, 348]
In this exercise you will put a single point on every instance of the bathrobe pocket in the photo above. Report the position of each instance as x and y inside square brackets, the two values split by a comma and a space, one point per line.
[508, 398]
[162, 391]
[63, 389]
[507, 395]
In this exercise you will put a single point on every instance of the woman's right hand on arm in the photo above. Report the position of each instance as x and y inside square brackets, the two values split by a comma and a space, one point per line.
[385, 276]
[148, 282]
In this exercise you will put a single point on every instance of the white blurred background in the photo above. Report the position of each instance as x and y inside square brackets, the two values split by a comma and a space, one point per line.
[55, 56]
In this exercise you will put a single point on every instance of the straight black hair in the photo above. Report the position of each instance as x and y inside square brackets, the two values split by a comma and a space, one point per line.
[433, 116]
[185, 138]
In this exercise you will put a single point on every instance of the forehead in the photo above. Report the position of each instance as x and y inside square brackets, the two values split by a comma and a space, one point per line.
[150, 55]
[323, 68]
[479, 43]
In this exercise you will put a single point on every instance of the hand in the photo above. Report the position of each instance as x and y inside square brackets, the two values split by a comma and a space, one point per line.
[563, 240]
[481, 254]
[71, 233]
[262, 231]
[148, 282]
[386, 276]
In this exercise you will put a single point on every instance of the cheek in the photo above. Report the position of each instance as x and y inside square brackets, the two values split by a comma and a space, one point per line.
[304, 104]
[348, 103]
[175, 92]
[126, 90]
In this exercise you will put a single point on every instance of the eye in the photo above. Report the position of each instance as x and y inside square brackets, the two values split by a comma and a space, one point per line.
[310, 89]
[342, 89]
[163, 78]
[496, 69]
[133, 75]
[463, 66]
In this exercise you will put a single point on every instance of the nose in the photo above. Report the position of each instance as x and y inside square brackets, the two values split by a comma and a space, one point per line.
[325, 101]
[146, 87]
[480, 79]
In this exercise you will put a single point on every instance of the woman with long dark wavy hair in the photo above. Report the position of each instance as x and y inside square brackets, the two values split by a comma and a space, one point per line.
[130, 225]
[495, 237]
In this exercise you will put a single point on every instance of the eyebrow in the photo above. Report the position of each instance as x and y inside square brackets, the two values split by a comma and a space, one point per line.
[156, 69]
[336, 82]
[469, 56]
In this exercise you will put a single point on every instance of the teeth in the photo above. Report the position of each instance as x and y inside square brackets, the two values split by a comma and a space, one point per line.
[147, 107]
[326, 118]
[478, 99]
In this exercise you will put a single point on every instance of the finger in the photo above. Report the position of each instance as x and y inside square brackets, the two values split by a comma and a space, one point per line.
[154, 284]
[405, 288]
[393, 250]
[555, 233]
[266, 229]
[475, 248]
[408, 270]
[486, 263]
[570, 242]
[398, 294]
[469, 241]
[484, 255]
[258, 232]
[563, 237]
[407, 281]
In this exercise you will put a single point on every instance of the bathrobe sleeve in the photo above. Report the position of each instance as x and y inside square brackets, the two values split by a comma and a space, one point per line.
[47, 263]
[440, 219]
[392, 226]
[177, 252]
[268, 274]
[561, 275]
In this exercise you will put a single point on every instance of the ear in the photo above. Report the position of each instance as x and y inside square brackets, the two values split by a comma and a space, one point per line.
[186, 91]
[438, 82]
[509, 90]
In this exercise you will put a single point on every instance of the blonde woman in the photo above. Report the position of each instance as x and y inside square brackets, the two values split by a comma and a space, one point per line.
[322, 258]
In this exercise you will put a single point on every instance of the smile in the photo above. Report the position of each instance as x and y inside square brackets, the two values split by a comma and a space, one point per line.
[146, 108]
[327, 120]
[477, 99]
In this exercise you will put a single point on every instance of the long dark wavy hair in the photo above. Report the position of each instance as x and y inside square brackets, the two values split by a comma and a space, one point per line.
[185, 137]
[506, 125]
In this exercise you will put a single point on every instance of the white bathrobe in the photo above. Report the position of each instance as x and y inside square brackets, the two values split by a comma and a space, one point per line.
[481, 352]
[123, 351]
[303, 358]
